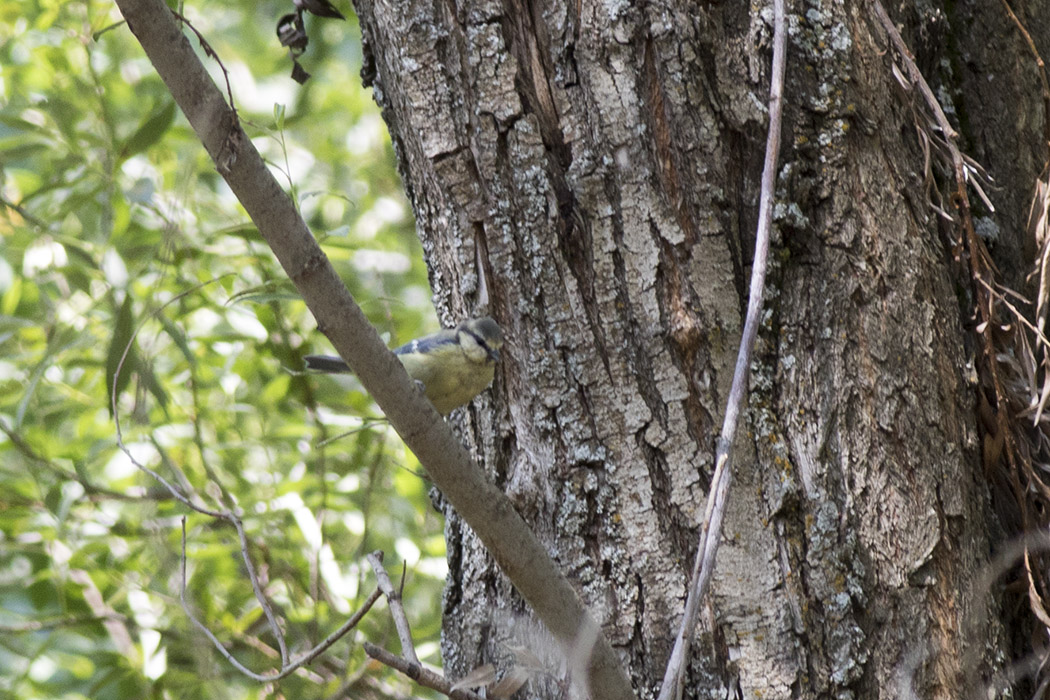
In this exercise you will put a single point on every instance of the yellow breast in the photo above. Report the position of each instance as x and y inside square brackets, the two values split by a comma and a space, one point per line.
[450, 378]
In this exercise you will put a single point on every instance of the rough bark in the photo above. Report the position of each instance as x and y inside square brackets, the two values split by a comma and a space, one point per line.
[595, 168]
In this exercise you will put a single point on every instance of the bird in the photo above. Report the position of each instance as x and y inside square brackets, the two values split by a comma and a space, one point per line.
[454, 365]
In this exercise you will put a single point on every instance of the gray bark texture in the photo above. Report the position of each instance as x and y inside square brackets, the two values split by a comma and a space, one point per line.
[587, 173]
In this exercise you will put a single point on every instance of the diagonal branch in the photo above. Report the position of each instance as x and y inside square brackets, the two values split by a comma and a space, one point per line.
[483, 506]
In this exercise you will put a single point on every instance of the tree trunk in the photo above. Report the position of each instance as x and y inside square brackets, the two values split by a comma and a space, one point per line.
[588, 175]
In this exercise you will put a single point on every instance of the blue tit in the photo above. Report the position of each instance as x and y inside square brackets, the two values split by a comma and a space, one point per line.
[453, 365]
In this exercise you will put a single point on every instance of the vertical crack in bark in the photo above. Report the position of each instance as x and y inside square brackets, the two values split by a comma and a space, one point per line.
[689, 344]
[529, 46]
[528, 43]
[667, 153]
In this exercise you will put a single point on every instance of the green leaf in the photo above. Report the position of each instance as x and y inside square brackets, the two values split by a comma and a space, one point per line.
[22, 153]
[150, 130]
[276, 389]
[179, 337]
[149, 379]
[11, 297]
[95, 155]
[266, 294]
[119, 342]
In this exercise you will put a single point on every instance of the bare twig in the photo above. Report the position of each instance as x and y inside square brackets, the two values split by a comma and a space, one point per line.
[1015, 312]
[177, 493]
[92, 491]
[210, 52]
[1040, 68]
[397, 611]
[204, 628]
[343, 629]
[190, 500]
[18, 209]
[710, 532]
[56, 623]
[409, 663]
[419, 673]
[287, 666]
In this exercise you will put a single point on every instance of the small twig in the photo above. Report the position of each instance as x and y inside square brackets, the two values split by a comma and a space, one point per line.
[21, 211]
[366, 424]
[260, 594]
[227, 515]
[331, 639]
[419, 673]
[176, 493]
[210, 52]
[397, 611]
[92, 491]
[287, 668]
[230, 516]
[43, 625]
[710, 532]
[204, 628]
[914, 74]
[1040, 68]
[1043, 340]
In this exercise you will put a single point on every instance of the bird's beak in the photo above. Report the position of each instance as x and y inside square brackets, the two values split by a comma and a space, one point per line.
[494, 354]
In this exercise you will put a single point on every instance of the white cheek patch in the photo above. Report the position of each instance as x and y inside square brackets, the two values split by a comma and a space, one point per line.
[474, 350]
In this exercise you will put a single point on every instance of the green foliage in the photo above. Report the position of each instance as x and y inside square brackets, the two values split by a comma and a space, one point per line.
[126, 264]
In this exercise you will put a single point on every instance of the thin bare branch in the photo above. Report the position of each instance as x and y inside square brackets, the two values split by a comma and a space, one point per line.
[287, 667]
[260, 594]
[1015, 311]
[419, 673]
[204, 628]
[176, 492]
[1040, 68]
[710, 532]
[397, 611]
[190, 500]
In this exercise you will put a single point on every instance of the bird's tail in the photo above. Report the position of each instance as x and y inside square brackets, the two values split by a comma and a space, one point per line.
[326, 363]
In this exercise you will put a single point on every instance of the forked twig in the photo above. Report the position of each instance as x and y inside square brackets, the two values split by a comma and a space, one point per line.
[397, 611]
[288, 667]
[190, 500]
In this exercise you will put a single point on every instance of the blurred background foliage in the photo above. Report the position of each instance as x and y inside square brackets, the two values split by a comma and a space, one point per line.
[117, 234]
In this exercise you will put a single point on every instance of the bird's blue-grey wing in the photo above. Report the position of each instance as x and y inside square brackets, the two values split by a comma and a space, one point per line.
[426, 344]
